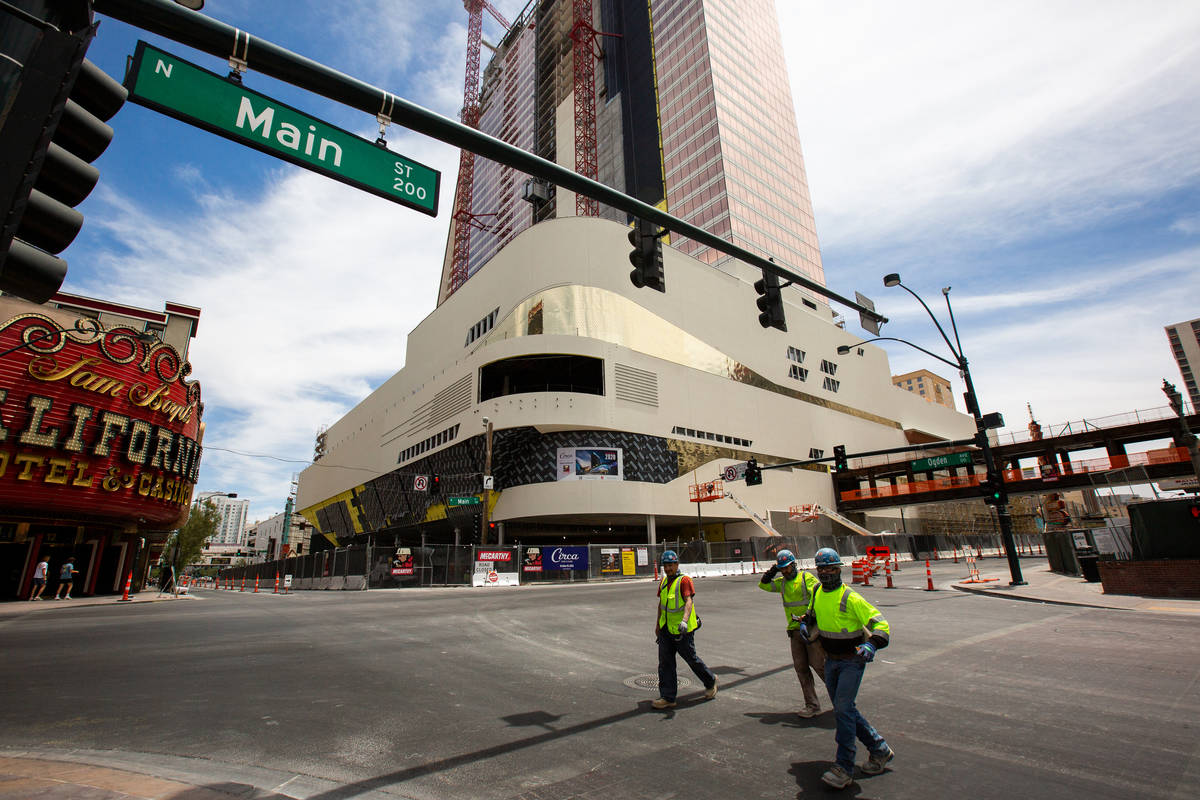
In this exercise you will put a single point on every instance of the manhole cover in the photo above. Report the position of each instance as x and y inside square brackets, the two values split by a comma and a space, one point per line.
[650, 682]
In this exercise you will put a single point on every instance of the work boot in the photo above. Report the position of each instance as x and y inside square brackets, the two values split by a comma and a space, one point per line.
[837, 777]
[808, 712]
[711, 691]
[663, 702]
[875, 763]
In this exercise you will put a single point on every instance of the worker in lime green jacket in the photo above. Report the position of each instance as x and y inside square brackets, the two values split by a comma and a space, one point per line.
[796, 589]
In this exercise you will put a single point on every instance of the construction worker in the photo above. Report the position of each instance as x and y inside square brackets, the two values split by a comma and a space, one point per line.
[851, 630]
[796, 589]
[675, 625]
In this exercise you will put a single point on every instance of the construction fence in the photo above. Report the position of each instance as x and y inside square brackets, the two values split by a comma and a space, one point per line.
[373, 567]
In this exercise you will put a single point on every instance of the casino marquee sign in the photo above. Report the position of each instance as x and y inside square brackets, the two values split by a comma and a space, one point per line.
[95, 424]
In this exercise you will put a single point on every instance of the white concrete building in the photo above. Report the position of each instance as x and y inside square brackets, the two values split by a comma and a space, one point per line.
[607, 403]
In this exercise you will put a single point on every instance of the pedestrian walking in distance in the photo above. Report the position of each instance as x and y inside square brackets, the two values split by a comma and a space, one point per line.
[65, 578]
[796, 589]
[675, 625]
[851, 630]
[39, 579]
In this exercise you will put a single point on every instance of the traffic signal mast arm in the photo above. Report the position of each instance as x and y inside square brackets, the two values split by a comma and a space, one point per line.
[166, 18]
[905, 449]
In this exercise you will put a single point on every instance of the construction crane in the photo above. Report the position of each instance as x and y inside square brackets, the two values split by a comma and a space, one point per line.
[583, 35]
[464, 220]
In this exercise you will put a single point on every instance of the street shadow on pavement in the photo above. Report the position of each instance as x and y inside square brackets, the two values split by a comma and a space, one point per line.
[808, 779]
[225, 791]
[790, 719]
[532, 718]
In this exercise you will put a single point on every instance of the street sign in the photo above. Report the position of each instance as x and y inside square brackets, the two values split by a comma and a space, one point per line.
[735, 472]
[962, 459]
[182, 90]
[421, 483]
[462, 501]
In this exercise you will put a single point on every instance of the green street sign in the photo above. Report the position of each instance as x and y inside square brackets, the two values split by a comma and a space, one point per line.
[182, 90]
[962, 459]
[462, 501]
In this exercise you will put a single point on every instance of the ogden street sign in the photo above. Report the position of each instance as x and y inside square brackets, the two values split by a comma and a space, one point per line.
[182, 90]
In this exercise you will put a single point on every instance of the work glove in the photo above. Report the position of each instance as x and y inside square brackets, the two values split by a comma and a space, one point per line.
[802, 632]
[683, 627]
[865, 651]
[772, 572]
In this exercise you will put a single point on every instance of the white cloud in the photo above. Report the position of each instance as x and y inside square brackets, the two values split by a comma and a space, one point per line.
[1021, 116]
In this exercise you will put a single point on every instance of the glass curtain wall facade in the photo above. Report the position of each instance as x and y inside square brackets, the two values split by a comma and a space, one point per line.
[730, 141]
[693, 109]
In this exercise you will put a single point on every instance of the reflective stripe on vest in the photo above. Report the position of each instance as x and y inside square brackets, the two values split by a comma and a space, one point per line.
[671, 604]
[836, 625]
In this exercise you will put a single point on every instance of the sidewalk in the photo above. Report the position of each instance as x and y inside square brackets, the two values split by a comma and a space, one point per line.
[15, 607]
[1044, 586]
[22, 778]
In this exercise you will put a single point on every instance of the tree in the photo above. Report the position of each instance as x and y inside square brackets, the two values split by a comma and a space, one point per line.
[185, 544]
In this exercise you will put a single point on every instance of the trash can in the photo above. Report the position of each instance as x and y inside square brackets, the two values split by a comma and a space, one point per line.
[1089, 563]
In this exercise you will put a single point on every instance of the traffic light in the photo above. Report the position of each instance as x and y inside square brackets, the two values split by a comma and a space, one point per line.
[753, 473]
[435, 484]
[770, 301]
[646, 256]
[993, 492]
[839, 458]
[52, 126]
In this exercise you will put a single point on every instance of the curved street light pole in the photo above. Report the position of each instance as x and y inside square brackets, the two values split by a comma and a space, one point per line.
[981, 434]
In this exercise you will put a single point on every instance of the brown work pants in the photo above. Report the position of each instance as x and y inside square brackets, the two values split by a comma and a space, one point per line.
[806, 656]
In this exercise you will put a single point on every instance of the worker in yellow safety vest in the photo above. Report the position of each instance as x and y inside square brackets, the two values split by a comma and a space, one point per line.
[851, 630]
[796, 589]
[675, 625]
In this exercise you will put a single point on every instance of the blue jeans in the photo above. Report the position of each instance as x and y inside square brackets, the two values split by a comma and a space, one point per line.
[842, 678]
[685, 645]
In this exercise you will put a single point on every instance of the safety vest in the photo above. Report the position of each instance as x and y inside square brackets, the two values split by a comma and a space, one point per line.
[796, 594]
[670, 606]
[845, 620]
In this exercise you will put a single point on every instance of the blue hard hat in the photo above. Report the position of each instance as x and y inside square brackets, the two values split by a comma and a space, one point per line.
[828, 557]
[669, 557]
[784, 559]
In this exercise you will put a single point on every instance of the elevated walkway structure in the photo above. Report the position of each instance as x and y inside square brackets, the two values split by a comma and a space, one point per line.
[891, 481]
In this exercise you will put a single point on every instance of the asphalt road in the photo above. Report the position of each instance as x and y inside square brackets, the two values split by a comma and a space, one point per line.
[531, 692]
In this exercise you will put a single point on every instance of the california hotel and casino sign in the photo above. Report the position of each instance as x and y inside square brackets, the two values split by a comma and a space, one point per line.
[100, 432]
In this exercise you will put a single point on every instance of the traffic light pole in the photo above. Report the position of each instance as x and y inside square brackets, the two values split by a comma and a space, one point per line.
[166, 18]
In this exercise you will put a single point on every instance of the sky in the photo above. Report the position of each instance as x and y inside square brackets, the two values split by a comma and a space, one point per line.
[1040, 158]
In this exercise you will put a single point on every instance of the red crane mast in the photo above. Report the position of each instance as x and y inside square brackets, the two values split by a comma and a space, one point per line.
[463, 218]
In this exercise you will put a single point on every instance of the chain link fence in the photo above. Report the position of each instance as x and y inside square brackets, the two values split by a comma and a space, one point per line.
[376, 567]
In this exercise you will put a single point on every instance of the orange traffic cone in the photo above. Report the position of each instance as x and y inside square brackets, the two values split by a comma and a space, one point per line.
[128, 583]
[928, 577]
[866, 573]
[255, 585]
[888, 572]
[956, 554]
[276, 583]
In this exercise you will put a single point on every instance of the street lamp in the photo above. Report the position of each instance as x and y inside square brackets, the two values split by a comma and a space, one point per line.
[981, 427]
[487, 482]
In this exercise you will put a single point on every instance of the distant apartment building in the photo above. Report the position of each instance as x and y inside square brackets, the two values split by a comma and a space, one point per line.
[233, 517]
[933, 388]
[271, 539]
[1185, 346]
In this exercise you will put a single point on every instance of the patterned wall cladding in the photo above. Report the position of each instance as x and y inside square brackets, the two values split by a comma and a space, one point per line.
[523, 455]
[519, 456]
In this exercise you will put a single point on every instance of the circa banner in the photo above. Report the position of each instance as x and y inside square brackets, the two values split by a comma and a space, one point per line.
[95, 423]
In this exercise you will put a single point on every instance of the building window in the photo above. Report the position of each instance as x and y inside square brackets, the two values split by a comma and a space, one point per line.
[814, 452]
[795, 354]
[828, 367]
[833, 385]
[483, 326]
[798, 372]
